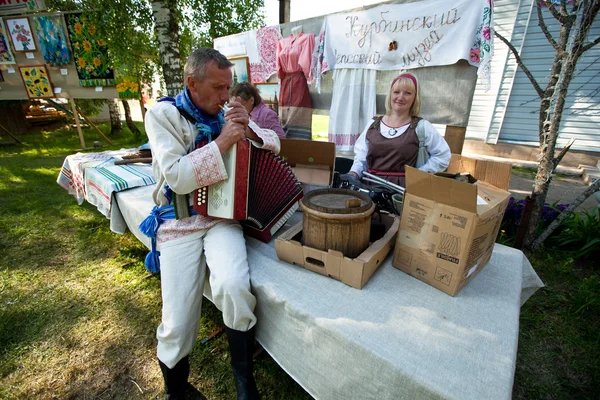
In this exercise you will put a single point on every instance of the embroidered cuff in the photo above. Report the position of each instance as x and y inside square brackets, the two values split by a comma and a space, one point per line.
[208, 165]
[269, 138]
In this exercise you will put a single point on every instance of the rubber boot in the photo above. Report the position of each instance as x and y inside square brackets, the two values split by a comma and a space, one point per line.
[176, 379]
[241, 348]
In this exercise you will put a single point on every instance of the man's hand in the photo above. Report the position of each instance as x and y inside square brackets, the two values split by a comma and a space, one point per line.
[237, 115]
[236, 125]
[237, 112]
[231, 133]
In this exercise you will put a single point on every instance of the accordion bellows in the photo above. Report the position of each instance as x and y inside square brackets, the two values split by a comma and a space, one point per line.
[261, 191]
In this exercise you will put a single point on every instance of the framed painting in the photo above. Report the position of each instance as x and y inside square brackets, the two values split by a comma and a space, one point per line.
[37, 82]
[52, 39]
[6, 56]
[20, 34]
[241, 70]
[269, 91]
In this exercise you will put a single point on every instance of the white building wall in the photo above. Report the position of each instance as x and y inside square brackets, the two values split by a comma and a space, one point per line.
[581, 117]
[510, 20]
[509, 112]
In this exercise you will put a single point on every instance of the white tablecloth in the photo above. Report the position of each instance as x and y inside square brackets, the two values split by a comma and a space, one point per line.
[396, 338]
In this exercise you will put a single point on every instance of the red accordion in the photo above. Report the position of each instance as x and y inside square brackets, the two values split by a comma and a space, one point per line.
[261, 191]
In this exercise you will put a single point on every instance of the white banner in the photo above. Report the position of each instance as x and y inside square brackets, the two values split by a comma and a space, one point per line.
[406, 36]
[241, 44]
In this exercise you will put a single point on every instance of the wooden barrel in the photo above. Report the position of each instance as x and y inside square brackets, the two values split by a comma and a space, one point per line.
[337, 219]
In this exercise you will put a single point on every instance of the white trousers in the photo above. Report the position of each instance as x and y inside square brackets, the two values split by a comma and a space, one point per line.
[183, 264]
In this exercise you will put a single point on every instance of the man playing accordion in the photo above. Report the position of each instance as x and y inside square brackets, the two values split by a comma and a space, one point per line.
[185, 243]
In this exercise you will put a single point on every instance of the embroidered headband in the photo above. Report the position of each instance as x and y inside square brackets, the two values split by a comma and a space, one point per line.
[409, 76]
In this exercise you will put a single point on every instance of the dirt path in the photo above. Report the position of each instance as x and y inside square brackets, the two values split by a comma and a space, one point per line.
[563, 189]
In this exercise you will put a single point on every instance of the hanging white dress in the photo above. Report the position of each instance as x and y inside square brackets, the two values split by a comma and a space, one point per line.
[352, 105]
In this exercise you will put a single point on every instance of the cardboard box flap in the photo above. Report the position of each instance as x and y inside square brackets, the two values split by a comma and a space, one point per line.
[489, 194]
[493, 172]
[298, 151]
[442, 190]
[315, 174]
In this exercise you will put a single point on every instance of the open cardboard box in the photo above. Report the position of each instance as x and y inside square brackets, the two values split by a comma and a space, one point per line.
[448, 228]
[312, 161]
[353, 272]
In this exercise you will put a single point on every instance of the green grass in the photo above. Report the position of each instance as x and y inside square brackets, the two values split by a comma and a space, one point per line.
[320, 127]
[559, 340]
[78, 310]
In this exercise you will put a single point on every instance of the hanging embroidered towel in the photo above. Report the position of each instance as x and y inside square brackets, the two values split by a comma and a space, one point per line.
[89, 52]
[266, 42]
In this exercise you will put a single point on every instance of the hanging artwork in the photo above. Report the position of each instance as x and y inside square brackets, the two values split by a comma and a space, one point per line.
[89, 52]
[52, 39]
[37, 82]
[6, 56]
[240, 69]
[128, 88]
[20, 34]
[269, 91]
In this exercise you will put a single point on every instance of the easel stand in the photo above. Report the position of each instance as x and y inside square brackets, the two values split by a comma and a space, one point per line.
[11, 135]
[76, 118]
[75, 112]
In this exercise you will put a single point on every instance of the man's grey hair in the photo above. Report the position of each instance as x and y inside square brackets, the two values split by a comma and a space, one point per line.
[195, 65]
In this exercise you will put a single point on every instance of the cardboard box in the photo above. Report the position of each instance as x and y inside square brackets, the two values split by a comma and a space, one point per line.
[312, 161]
[494, 173]
[448, 228]
[353, 272]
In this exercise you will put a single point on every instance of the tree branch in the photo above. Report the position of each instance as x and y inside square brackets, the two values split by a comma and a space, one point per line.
[562, 153]
[512, 48]
[550, 6]
[590, 45]
[544, 28]
[594, 187]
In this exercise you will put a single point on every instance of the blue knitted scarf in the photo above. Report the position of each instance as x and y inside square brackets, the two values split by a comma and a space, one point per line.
[209, 128]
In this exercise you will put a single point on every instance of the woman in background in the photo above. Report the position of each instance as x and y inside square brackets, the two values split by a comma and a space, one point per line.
[262, 115]
[391, 142]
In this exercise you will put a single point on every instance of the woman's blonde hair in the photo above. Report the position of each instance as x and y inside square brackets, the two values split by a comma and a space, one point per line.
[409, 81]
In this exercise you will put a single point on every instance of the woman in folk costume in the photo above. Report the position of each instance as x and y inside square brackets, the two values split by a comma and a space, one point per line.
[391, 142]
[294, 55]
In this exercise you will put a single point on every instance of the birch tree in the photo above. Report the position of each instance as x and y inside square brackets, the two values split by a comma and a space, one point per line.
[166, 27]
[575, 19]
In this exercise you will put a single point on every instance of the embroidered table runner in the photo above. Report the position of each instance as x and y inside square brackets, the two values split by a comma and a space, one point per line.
[93, 177]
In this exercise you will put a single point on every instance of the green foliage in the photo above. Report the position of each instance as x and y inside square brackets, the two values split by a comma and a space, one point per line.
[125, 26]
[211, 19]
[90, 107]
[579, 233]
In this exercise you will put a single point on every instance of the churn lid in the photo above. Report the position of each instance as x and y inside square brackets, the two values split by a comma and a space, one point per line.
[337, 201]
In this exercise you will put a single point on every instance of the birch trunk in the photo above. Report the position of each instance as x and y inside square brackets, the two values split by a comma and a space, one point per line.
[569, 49]
[167, 32]
[136, 132]
[115, 119]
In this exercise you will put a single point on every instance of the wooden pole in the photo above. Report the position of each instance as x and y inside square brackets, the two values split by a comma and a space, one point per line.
[76, 117]
[11, 135]
[93, 126]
